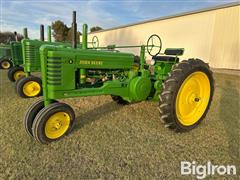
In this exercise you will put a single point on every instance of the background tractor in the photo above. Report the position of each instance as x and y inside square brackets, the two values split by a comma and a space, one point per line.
[16, 71]
[31, 86]
[183, 89]
[5, 56]
[11, 54]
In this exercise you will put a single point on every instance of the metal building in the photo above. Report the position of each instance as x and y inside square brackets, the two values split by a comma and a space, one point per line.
[210, 34]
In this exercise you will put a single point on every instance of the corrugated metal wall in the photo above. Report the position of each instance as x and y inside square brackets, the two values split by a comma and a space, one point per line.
[212, 36]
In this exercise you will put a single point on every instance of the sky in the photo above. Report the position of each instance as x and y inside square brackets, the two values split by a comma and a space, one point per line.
[17, 14]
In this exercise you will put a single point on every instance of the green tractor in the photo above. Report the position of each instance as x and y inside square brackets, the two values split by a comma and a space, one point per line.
[5, 56]
[8, 53]
[12, 57]
[16, 70]
[30, 86]
[183, 89]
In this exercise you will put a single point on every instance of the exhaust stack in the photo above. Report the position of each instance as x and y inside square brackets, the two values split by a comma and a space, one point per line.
[41, 32]
[74, 30]
[25, 33]
[15, 35]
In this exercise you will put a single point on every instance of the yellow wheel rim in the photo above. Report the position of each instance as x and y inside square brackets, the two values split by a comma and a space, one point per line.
[18, 74]
[31, 88]
[193, 98]
[57, 125]
[5, 65]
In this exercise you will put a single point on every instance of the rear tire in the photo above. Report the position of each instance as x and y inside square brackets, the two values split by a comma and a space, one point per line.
[15, 73]
[53, 122]
[5, 63]
[29, 87]
[186, 95]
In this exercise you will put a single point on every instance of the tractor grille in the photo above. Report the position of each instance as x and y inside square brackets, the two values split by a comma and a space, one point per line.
[17, 54]
[7, 52]
[32, 57]
[54, 72]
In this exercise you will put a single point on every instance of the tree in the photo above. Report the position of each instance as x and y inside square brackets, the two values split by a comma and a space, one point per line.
[69, 35]
[6, 37]
[60, 31]
[63, 33]
[95, 28]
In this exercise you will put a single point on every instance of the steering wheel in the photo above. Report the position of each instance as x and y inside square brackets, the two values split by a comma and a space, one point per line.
[154, 45]
[95, 42]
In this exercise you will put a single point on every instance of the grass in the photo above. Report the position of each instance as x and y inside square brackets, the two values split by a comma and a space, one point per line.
[114, 141]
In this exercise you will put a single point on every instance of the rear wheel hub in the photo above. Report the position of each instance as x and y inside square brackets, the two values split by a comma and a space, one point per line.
[192, 98]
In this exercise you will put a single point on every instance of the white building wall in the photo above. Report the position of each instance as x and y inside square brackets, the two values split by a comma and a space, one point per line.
[212, 36]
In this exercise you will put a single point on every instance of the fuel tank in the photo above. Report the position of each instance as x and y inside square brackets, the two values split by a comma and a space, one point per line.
[99, 59]
[94, 59]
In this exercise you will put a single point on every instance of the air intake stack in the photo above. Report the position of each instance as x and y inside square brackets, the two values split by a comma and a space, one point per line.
[84, 36]
[49, 34]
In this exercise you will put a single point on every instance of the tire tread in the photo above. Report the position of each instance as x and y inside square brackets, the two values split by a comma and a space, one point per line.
[171, 86]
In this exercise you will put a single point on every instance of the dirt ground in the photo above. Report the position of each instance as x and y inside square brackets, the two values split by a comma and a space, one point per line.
[115, 141]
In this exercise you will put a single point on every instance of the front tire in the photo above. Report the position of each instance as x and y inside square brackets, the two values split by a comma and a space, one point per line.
[5, 63]
[186, 95]
[31, 113]
[15, 73]
[29, 87]
[53, 122]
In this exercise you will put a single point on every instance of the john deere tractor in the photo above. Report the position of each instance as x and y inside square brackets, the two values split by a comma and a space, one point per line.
[30, 86]
[5, 56]
[16, 71]
[183, 89]
[11, 54]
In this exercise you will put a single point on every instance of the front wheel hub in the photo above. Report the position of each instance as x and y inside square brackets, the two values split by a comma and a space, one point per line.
[31, 88]
[18, 74]
[57, 125]
[5, 65]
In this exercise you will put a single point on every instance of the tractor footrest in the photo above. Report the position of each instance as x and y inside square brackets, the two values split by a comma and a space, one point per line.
[165, 58]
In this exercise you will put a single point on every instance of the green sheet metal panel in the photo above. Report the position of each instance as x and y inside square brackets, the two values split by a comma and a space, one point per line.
[31, 54]
[16, 50]
[5, 50]
[59, 66]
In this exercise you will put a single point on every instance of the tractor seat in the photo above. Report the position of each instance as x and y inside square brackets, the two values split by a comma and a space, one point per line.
[174, 51]
[165, 58]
